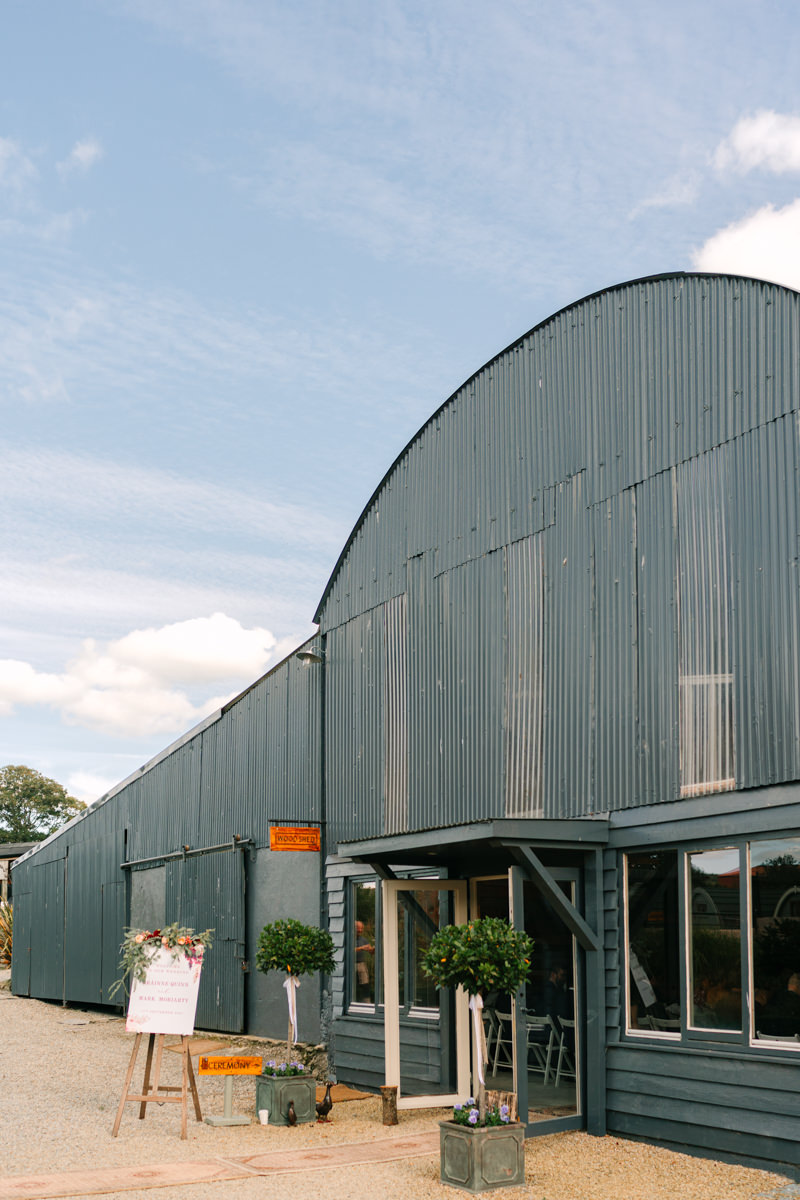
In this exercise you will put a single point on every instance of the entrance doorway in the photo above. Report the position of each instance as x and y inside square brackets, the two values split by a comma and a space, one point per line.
[534, 1038]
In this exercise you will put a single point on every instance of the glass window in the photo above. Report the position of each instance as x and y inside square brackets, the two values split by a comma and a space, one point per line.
[423, 921]
[775, 907]
[715, 949]
[362, 984]
[653, 938]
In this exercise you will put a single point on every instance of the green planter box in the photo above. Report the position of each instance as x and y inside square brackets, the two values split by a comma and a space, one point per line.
[479, 1160]
[274, 1092]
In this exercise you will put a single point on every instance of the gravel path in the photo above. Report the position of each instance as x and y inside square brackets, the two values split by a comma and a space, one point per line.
[61, 1077]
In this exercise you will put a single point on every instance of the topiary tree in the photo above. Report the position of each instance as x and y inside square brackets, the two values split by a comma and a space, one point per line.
[484, 955]
[298, 950]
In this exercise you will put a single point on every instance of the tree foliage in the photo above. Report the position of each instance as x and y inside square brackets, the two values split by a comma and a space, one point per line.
[483, 956]
[294, 948]
[32, 806]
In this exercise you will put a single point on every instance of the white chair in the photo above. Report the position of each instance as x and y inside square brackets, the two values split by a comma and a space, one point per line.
[565, 1065]
[541, 1039]
[504, 1041]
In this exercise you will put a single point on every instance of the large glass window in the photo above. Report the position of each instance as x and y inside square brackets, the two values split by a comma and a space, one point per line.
[420, 917]
[722, 951]
[775, 908]
[715, 940]
[653, 942]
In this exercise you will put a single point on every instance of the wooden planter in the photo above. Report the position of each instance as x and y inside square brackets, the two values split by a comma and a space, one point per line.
[274, 1092]
[479, 1160]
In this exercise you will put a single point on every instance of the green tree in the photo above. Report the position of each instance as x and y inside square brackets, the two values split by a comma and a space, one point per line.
[31, 805]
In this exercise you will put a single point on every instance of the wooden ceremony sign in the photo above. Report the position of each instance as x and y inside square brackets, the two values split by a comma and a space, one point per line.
[233, 1064]
[165, 1002]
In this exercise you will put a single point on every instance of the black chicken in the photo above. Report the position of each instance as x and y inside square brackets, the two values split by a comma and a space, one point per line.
[325, 1105]
[291, 1116]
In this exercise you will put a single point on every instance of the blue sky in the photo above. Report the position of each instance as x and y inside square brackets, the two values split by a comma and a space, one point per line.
[246, 248]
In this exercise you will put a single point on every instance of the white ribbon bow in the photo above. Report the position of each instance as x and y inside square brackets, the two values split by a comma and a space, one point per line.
[292, 983]
[476, 1004]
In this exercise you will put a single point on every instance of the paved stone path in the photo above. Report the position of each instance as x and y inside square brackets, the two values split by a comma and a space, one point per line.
[280, 1162]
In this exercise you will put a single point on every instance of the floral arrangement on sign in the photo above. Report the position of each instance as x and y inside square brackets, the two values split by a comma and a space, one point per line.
[468, 1114]
[292, 1068]
[485, 955]
[139, 946]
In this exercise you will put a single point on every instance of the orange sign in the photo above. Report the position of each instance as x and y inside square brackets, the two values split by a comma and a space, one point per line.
[230, 1066]
[289, 837]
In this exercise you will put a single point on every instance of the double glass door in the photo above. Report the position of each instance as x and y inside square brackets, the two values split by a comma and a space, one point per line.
[534, 1039]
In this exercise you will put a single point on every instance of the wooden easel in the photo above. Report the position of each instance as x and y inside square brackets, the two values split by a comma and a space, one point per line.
[154, 1094]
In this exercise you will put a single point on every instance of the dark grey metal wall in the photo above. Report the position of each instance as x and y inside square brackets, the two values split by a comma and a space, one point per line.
[256, 763]
[560, 531]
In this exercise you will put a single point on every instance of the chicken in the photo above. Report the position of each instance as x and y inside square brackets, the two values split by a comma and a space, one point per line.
[291, 1116]
[325, 1105]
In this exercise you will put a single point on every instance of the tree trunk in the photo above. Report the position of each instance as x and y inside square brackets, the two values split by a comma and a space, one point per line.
[289, 1043]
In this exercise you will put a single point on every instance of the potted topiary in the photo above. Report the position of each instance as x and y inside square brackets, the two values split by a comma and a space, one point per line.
[480, 1150]
[297, 950]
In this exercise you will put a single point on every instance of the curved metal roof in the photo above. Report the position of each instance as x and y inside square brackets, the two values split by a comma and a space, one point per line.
[618, 287]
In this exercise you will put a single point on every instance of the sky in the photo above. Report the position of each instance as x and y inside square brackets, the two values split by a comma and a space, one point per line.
[248, 247]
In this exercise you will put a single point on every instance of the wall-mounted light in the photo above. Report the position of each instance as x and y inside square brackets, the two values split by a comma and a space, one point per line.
[308, 656]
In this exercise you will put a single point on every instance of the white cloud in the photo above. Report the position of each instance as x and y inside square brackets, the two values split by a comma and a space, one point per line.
[768, 139]
[16, 169]
[197, 651]
[87, 786]
[673, 193]
[130, 686]
[765, 244]
[81, 157]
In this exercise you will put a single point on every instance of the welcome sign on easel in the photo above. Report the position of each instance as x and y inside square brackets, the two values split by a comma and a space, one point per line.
[166, 1001]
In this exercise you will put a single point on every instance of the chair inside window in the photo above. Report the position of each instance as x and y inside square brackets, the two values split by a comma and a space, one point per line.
[503, 1041]
[541, 1039]
[565, 1064]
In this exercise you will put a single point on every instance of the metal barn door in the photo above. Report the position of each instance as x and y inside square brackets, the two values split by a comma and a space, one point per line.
[207, 891]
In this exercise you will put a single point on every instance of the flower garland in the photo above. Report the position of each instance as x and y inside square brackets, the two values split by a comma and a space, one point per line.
[139, 946]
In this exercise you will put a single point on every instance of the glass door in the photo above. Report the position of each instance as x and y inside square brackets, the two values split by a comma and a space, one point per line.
[426, 1031]
[547, 1012]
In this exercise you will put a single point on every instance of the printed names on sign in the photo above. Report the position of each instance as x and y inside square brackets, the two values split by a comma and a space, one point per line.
[166, 1001]
[291, 837]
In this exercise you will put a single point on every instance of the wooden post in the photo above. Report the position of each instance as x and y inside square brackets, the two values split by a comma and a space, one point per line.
[389, 1097]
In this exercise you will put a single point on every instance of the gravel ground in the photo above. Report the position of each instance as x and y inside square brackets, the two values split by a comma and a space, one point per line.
[61, 1076]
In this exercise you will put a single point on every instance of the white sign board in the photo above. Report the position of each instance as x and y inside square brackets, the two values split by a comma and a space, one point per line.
[165, 1002]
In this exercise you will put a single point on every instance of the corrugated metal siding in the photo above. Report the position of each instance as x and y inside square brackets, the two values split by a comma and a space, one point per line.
[659, 411]
[568, 658]
[355, 764]
[765, 572]
[657, 643]
[395, 707]
[524, 678]
[616, 684]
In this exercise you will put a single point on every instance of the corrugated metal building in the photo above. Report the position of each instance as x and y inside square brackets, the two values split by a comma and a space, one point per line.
[187, 839]
[559, 680]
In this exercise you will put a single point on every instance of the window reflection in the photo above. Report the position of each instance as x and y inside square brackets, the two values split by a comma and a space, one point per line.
[715, 932]
[363, 982]
[775, 898]
[653, 942]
